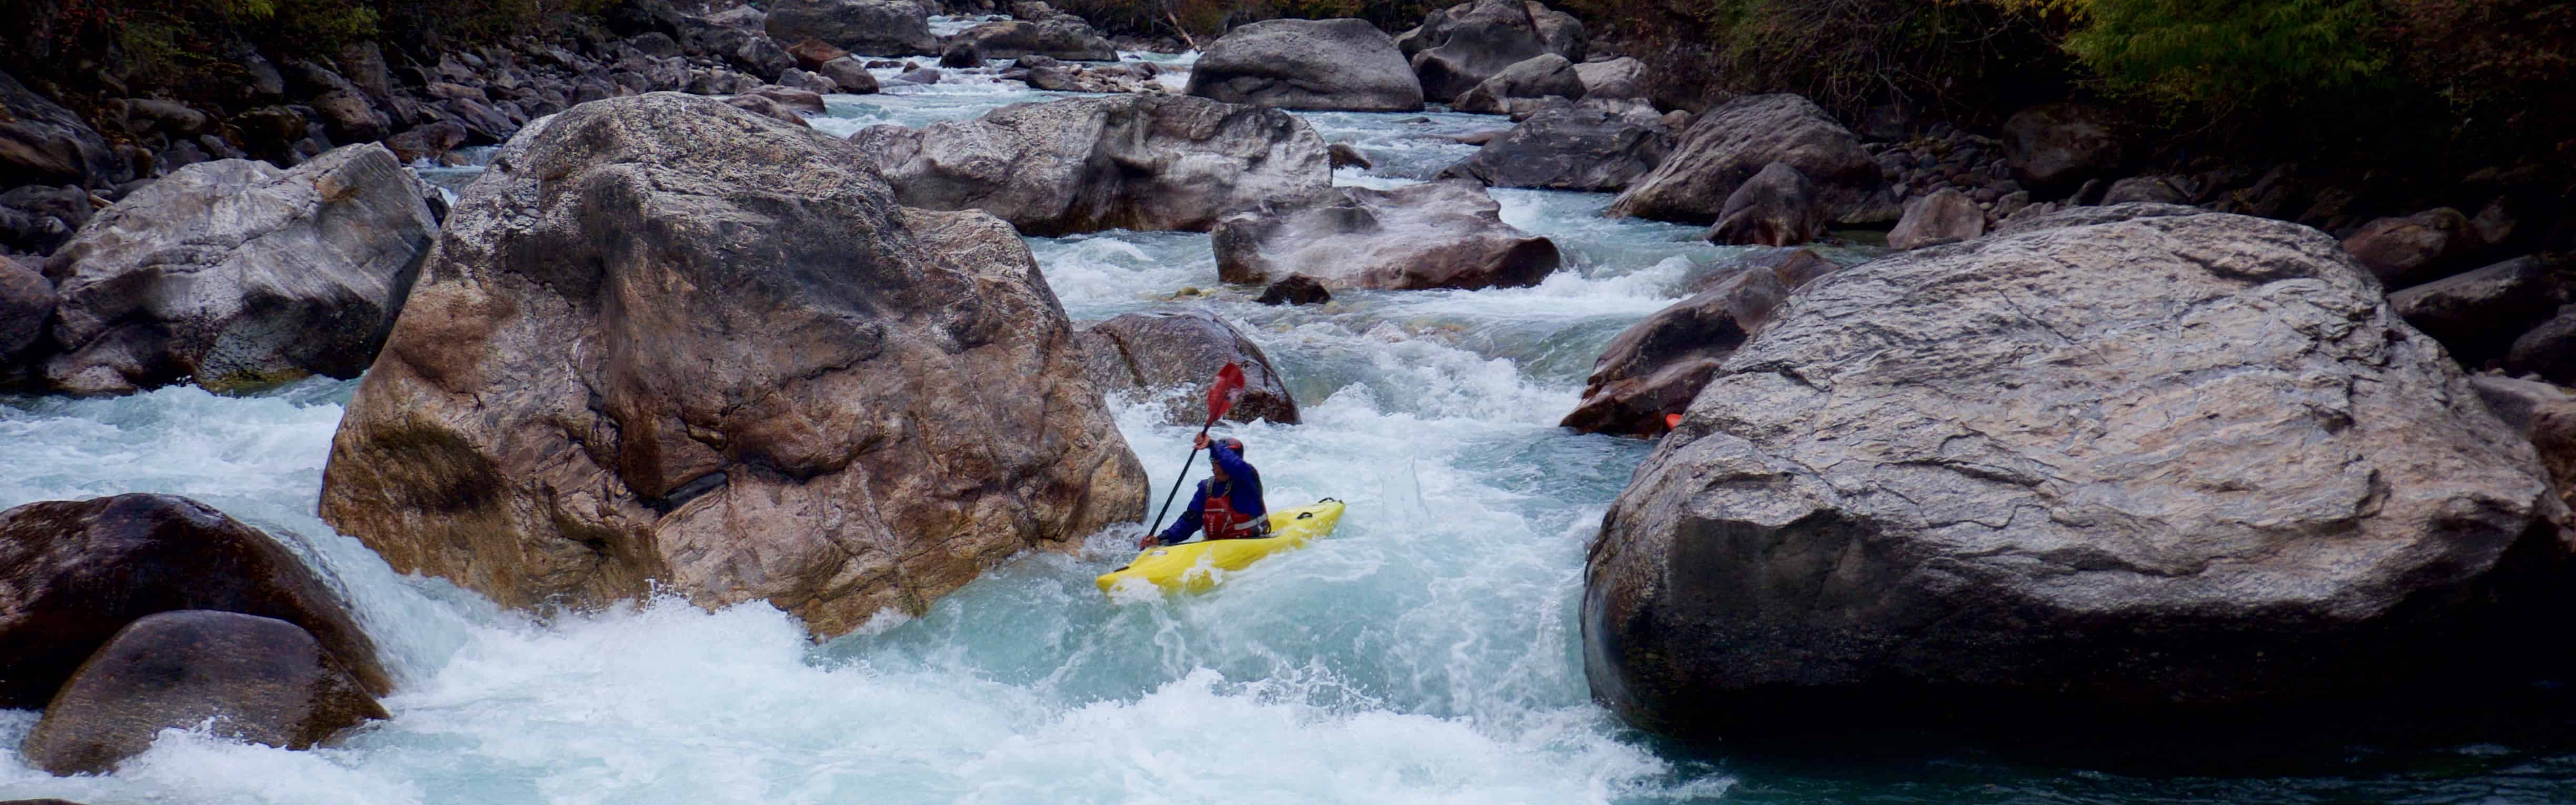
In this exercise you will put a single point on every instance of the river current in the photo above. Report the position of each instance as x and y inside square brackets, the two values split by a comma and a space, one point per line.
[1427, 652]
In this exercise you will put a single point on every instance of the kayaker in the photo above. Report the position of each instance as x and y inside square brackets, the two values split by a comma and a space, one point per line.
[1227, 506]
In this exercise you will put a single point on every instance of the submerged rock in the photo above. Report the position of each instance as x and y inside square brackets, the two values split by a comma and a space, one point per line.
[1307, 64]
[248, 678]
[73, 573]
[1295, 289]
[1447, 234]
[1658, 365]
[1143, 162]
[667, 344]
[2012, 483]
[1172, 355]
[1726, 146]
[866, 27]
[1591, 147]
[239, 275]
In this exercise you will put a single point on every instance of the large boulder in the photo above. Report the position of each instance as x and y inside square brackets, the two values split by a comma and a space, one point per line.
[1947, 216]
[1592, 147]
[1540, 76]
[1777, 207]
[2414, 249]
[43, 143]
[1062, 37]
[249, 678]
[1144, 162]
[1447, 234]
[1727, 145]
[73, 573]
[1458, 47]
[1623, 77]
[2479, 314]
[849, 75]
[665, 344]
[1307, 64]
[239, 275]
[26, 302]
[2548, 349]
[1172, 355]
[2012, 483]
[1658, 365]
[2054, 148]
[866, 27]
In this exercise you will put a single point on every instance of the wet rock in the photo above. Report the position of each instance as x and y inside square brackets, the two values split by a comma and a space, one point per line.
[2414, 249]
[26, 301]
[1446, 234]
[812, 54]
[779, 404]
[1947, 216]
[1546, 74]
[1344, 156]
[73, 573]
[2144, 531]
[925, 75]
[1456, 48]
[1341, 64]
[42, 143]
[237, 275]
[1590, 147]
[1727, 145]
[1064, 37]
[2054, 148]
[1658, 365]
[2478, 315]
[1623, 77]
[866, 27]
[1777, 207]
[1295, 289]
[850, 76]
[1170, 356]
[962, 56]
[253, 679]
[1143, 162]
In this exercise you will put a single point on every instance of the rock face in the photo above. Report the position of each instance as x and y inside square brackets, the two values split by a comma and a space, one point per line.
[1434, 235]
[1308, 64]
[1459, 47]
[239, 275]
[2412, 250]
[260, 680]
[1855, 526]
[2477, 315]
[1172, 355]
[1591, 147]
[72, 573]
[1778, 207]
[1144, 162]
[867, 27]
[1063, 37]
[1727, 145]
[42, 143]
[1657, 366]
[2055, 147]
[1948, 216]
[1540, 76]
[664, 341]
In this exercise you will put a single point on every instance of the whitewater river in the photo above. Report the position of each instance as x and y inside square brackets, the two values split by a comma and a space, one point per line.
[1428, 652]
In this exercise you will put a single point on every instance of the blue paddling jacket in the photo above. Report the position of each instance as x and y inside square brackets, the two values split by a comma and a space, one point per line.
[1240, 495]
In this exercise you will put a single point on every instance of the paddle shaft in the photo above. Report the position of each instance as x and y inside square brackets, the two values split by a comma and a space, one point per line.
[1192, 461]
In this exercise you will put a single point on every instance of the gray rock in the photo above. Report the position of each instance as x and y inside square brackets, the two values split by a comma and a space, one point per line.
[1456, 48]
[2517, 402]
[239, 275]
[2548, 349]
[1170, 356]
[1623, 77]
[2147, 189]
[1446, 234]
[1143, 162]
[963, 55]
[1658, 365]
[850, 75]
[2017, 473]
[1794, 267]
[26, 301]
[812, 82]
[1537, 77]
[1947, 216]
[1064, 37]
[768, 107]
[2056, 147]
[1727, 145]
[925, 75]
[253, 679]
[1307, 64]
[2478, 315]
[74, 573]
[42, 143]
[1345, 156]
[665, 344]
[2414, 249]
[2052, 215]
[430, 141]
[1591, 147]
[1295, 289]
[37, 219]
[1777, 207]
[794, 99]
[865, 27]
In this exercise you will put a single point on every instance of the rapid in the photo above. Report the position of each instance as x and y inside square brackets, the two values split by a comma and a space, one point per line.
[1427, 652]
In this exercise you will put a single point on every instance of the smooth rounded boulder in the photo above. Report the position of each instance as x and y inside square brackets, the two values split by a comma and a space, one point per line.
[1342, 65]
[665, 344]
[238, 275]
[1592, 147]
[1142, 162]
[1725, 146]
[865, 27]
[2013, 483]
[1171, 356]
[1446, 234]
[72, 573]
[248, 678]
[1458, 47]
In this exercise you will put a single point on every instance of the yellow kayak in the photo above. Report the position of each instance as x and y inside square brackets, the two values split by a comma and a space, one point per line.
[1197, 566]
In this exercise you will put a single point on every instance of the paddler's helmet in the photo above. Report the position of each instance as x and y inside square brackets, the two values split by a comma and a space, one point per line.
[1233, 444]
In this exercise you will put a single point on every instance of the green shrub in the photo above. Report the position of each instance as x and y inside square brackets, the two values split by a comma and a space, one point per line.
[2219, 56]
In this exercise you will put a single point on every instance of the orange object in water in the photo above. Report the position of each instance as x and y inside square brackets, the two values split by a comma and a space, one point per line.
[1672, 421]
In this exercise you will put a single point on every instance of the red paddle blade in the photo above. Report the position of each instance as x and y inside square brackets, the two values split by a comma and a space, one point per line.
[1672, 421]
[1221, 396]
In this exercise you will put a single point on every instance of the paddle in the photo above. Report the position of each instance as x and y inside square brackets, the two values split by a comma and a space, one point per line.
[1220, 399]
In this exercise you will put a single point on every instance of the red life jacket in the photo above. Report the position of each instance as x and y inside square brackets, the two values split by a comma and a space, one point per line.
[1221, 521]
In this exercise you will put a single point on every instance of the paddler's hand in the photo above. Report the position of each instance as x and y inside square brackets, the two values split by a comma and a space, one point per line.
[1147, 543]
[1200, 441]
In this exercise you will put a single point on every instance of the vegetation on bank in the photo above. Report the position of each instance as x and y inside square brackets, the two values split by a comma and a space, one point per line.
[177, 42]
